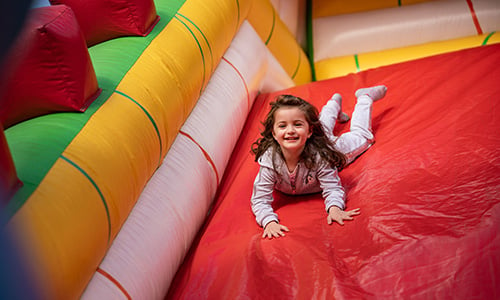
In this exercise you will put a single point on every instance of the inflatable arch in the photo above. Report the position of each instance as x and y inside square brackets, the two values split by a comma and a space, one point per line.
[139, 188]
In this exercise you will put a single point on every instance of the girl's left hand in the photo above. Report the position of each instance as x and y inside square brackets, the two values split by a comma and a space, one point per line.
[335, 214]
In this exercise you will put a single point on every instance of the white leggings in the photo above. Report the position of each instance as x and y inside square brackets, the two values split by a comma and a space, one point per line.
[360, 137]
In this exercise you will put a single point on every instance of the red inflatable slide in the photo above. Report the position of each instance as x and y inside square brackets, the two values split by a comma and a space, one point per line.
[428, 189]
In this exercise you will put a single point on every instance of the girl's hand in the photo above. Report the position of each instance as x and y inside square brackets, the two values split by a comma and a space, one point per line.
[274, 229]
[338, 215]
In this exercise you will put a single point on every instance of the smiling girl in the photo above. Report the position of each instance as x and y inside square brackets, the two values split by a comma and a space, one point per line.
[298, 154]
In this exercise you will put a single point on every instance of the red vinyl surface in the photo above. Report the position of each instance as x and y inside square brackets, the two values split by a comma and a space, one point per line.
[428, 189]
[9, 182]
[105, 20]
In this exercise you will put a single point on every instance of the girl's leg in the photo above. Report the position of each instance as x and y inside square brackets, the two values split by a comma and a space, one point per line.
[330, 113]
[360, 137]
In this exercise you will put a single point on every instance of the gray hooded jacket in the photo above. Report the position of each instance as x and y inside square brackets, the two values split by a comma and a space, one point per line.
[301, 181]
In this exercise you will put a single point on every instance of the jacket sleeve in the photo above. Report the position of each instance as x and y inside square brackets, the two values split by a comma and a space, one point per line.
[262, 196]
[333, 191]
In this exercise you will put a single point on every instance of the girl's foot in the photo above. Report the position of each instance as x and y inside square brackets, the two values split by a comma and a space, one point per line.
[374, 92]
[342, 117]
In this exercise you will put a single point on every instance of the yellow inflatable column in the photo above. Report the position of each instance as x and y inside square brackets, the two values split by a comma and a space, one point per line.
[340, 66]
[280, 41]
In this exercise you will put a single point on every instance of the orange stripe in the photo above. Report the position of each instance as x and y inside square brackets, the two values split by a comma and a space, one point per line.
[474, 17]
[114, 281]
[242, 79]
[207, 156]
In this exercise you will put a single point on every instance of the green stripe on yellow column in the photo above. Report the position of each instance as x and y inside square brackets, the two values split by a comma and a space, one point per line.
[238, 11]
[204, 71]
[215, 37]
[487, 38]
[204, 38]
[340, 66]
[150, 119]
[66, 230]
[356, 60]
[294, 74]
[280, 41]
[98, 191]
[271, 30]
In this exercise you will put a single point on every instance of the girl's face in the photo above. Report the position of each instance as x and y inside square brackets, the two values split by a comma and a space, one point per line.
[291, 129]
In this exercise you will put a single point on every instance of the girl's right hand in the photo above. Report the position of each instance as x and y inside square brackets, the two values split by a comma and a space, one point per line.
[274, 229]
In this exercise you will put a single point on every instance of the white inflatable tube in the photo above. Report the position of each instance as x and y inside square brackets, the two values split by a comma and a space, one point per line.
[396, 27]
[152, 243]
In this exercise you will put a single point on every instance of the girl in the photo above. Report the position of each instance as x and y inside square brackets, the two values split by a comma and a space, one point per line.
[298, 154]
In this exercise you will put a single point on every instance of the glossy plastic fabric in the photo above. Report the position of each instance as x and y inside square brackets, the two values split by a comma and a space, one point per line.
[428, 189]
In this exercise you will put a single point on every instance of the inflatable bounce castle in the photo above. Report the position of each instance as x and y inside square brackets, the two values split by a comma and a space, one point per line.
[126, 129]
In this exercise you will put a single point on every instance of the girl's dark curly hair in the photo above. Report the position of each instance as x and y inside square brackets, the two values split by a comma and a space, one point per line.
[317, 143]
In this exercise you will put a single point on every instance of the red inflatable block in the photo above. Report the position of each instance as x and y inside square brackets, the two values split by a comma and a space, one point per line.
[9, 183]
[102, 20]
[48, 68]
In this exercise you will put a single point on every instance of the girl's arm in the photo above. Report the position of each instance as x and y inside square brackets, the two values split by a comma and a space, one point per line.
[334, 195]
[333, 192]
[262, 197]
